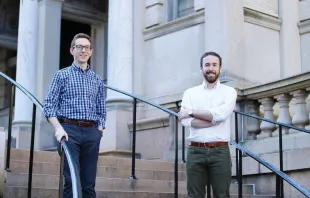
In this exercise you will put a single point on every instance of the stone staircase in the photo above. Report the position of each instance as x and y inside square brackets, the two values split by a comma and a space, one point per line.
[155, 178]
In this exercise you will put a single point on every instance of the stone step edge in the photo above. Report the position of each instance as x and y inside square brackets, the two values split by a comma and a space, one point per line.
[143, 169]
[112, 157]
[117, 178]
[139, 191]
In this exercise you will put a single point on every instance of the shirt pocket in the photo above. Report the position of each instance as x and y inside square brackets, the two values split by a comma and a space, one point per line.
[93, 87]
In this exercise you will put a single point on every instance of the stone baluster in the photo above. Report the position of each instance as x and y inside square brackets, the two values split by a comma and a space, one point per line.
[300, 117]
[284, 114]
[253, 124]
[266, 127]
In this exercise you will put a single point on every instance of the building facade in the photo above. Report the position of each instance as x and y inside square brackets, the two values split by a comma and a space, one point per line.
[152, 48]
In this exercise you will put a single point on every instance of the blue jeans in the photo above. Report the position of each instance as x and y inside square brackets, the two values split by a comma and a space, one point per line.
[83, 144]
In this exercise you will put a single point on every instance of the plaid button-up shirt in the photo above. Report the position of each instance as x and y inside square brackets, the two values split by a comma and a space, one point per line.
[76, 94]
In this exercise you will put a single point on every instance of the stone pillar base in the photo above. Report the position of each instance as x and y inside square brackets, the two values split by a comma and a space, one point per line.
[21, 135]
[116, 137]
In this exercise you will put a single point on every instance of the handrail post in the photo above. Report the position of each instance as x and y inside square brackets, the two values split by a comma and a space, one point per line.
[238, 158]
[8, 150]
[281, 161]
[31, 150]
[240, 174]
[183, 144]
[176, 160]
[278, 186]
[133, 154]
[61, 172]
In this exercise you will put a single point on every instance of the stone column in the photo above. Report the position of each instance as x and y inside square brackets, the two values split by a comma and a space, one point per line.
[224, 21]
[25, 70]
[99, 41]
[289, 38]
[116, 139]
[267, 127]
[48, 62]
[120, 47]
[284, 114]
[300, 117]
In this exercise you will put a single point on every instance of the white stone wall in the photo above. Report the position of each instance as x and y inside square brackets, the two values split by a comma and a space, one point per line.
[172, 61]
[305, 51]
[262, 55]
[304, 30]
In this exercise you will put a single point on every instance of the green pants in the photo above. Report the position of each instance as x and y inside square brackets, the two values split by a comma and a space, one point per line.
[213, 164]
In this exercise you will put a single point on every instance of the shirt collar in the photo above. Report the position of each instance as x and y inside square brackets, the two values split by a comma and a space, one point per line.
[78, 68]
[204, 84]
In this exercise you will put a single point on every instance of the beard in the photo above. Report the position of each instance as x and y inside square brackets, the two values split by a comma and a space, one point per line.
[211, 77]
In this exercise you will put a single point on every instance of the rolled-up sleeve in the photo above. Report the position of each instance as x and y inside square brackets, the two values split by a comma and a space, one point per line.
[186, 103]
[51, 101]
[101, 106]
[223, 111]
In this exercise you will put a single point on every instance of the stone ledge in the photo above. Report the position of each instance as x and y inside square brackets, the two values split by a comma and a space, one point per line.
[149, 3]
[250, 16]
[286, 85]
[264, 20]
[173, 26]
[304, 27]
[150, 123]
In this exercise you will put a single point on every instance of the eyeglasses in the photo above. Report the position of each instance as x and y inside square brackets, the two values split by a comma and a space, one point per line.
[80, 47]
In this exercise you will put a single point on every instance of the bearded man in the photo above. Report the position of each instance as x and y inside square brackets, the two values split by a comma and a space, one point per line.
[206, 111]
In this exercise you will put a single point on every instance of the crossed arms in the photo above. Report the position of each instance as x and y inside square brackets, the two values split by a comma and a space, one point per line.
[206, 118]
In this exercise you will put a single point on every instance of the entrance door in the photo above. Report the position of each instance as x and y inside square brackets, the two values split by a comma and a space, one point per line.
[68, 30]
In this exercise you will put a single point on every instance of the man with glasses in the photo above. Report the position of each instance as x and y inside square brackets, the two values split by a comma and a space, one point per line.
[75, 106]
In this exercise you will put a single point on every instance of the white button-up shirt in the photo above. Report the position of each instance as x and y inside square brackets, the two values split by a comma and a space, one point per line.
[220, 101]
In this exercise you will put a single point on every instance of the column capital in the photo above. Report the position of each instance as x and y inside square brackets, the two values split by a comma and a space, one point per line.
[267, 103]
[300, 92]
[281, 97]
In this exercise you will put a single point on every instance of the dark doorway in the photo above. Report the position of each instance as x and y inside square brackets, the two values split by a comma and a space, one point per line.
[68, 30]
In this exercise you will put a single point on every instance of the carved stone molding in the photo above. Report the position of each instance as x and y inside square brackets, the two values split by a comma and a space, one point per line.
[261, 19]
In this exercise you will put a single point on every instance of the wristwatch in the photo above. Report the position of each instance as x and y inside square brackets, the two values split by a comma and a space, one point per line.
[191, 113]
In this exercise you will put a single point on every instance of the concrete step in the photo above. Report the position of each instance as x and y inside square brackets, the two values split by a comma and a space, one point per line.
[53, 157]
[103, 171]
[115, 184]
[20, 192]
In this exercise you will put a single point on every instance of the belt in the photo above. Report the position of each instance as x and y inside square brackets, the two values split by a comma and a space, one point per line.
[208, 144]
[78, 123]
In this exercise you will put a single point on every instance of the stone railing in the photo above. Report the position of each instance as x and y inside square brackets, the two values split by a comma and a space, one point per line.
[284, 101]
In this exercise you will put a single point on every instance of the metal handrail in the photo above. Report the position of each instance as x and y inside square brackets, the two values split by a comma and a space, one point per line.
[143, 100]
[292, 182]
[36, 104]
[273, 122]
[77, 193]
[238, 154]
[175, 115]
[279, 177]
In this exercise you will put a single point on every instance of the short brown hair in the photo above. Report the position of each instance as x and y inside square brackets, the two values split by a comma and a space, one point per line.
[210, 54]
[80, 35]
